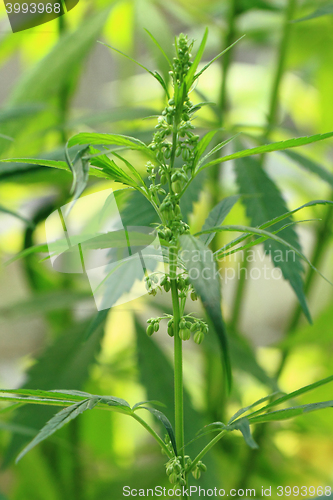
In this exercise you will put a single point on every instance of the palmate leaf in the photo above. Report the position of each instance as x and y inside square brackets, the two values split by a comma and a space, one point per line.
[255, 231]
[58, 421]
[268, 148]
[310, 166]
[263, 415]
[208, 289]
[109, 167]
[264, 203]
[217, 216]
[267, 224]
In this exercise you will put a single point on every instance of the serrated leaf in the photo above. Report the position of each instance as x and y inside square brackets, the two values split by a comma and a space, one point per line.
[253, 405]
[216, 149]
[42, 83]
[290, 412]
[255, 231]
[311, 166]
[293, 395]
[131, 168]
[264, 203]
[217, 57]
[108, 139]
[166, 423]
[270, 223]
[208, 289]
[217, 216]
[243, 426]
[95, 323]
[152, 402]
[58, 421]
[159, 47]
[268, 148]
[190, 75]
[112, 170]
[154, 74]
[80, 171]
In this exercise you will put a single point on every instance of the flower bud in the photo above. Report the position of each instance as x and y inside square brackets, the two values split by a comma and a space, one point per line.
[177, 187]
[194, 295]
[167, 286]
[171, 331]
[198, 337]
[193, 327]
[184, 333]
[173, 478]
[156, 326]
[202, 466]
[164, 179]
[196, 473]
[182, 323]
[150, 330]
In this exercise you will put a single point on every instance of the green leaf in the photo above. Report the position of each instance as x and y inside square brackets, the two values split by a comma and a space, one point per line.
[159, 47]
[293, 395]
[268, 148]
[264, 203]
[253, 405]
[112, 170]
[80, 171]
[44, 80]
[141, 403]
[261, 232]
[58, 421]
[236, 241]
[65, 364]
[156, 75]
[200, 261]
[243, 426]
[203, 144]
[311, 166]
[18, 216]
[26, 252]
[166, 423]
[216, 57]
[108, 139]
[95, 323]
[131, 168]
[290, 412]
[217, 216]
[217, 148]
[323, 10]
[190, 75]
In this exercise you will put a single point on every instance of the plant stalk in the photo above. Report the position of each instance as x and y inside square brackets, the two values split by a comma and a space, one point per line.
[178, 357]
[205, 450]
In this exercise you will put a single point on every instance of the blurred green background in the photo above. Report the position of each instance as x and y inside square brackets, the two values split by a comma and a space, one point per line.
[56, 80]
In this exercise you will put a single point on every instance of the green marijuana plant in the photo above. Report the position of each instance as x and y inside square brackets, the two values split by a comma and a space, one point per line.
[175, 157]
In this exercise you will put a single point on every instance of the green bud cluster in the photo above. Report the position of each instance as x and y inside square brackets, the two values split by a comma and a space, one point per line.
[153, 326]
[165, 283]
[197, 327]
[200, 467]
[151, 284]
[175, 471]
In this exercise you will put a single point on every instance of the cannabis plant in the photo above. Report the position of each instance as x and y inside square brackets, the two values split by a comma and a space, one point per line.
[175, 157]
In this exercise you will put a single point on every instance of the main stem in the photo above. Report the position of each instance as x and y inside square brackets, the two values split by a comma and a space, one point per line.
[178, 357]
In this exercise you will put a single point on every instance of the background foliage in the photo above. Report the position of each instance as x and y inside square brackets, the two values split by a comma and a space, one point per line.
[276, 83]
